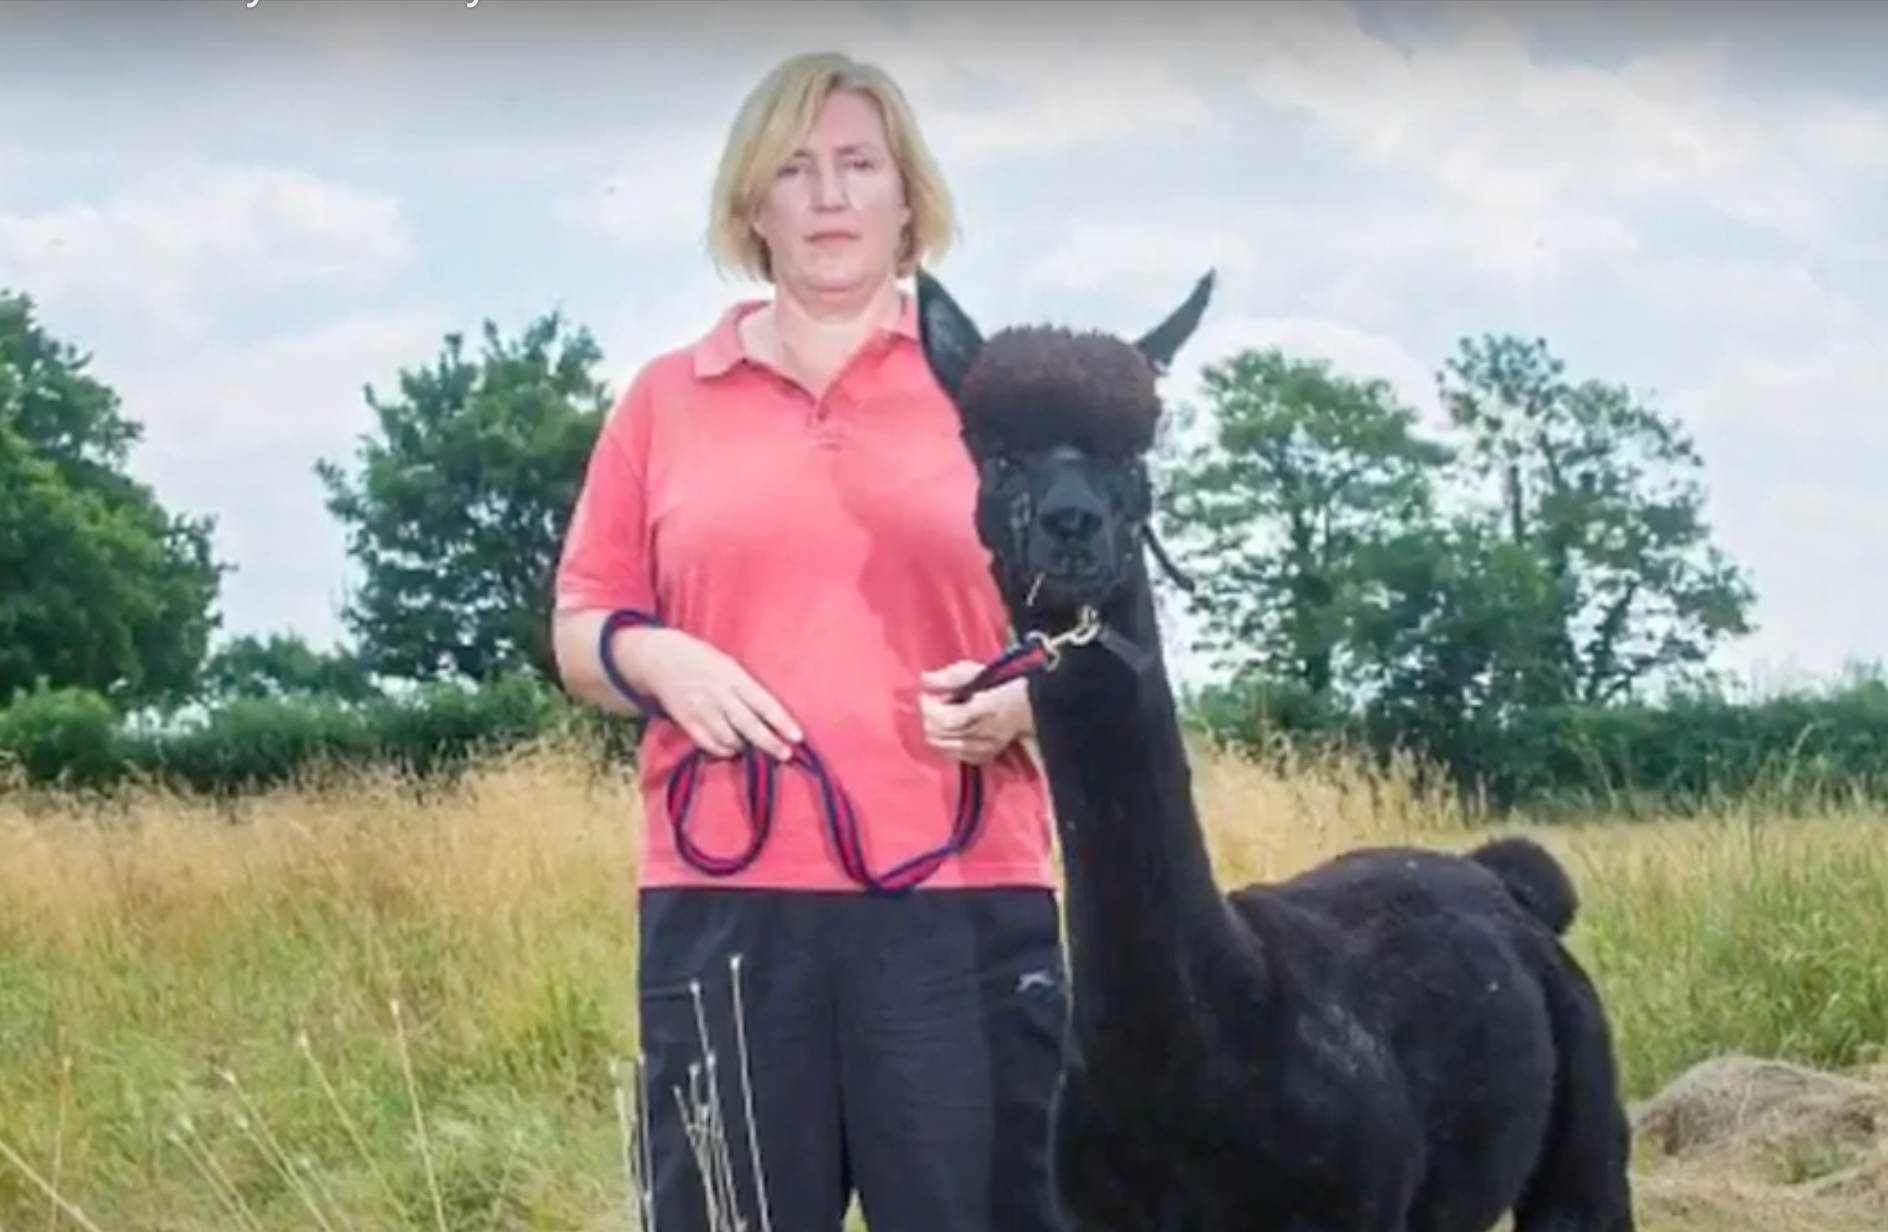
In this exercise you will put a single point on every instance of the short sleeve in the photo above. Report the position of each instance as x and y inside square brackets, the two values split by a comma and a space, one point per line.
[604, 564]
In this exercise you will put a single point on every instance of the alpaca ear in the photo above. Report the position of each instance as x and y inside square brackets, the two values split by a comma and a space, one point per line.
[1162, 343]
[949, 337]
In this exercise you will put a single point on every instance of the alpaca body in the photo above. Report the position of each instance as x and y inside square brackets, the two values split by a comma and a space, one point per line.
[1370, 1046]
[1393, 1041]
[1171, 1105]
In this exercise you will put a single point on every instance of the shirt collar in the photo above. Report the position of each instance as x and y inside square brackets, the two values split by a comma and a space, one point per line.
[719, 351]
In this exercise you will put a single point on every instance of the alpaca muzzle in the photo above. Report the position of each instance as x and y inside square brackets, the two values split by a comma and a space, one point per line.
[1075, 545]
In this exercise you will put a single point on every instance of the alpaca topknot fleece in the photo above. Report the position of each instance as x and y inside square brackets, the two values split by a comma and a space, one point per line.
[1036, 387]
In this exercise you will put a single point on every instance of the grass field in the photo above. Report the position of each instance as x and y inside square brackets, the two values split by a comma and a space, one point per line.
[195, 1014]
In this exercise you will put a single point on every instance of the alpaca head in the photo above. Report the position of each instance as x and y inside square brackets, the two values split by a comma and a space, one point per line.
[1059, 424]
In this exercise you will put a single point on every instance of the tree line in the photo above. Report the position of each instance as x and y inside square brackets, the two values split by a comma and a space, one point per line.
[1523, 596]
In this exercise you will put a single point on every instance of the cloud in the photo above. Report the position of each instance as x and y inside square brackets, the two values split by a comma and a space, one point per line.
[1791, 439]
[169, 243]
[1752, 295]
[1808, 629]
[235, 432]
[1813, 549]
[993, 84]
[1355, 352]
[1680, 209]
[989, 86]
[1480, 172]
[1566, 145]
[659, 197]
[1824, 399]
[1349, 260]
[1660, 220]
[1477, 168]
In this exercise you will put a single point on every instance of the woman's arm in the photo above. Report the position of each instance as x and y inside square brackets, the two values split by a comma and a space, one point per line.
[574, 636]
[711, 697]
[603, 566]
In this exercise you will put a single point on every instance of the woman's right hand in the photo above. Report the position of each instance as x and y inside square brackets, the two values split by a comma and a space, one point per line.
[712, 698]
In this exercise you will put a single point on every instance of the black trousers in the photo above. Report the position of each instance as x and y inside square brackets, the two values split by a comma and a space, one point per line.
[904, 1049]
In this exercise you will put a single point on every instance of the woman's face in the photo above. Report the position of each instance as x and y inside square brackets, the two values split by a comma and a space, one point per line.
[834, 218]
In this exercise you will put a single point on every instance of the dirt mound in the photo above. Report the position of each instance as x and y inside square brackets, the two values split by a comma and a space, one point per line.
[1787, 1123]
[1682, 1201]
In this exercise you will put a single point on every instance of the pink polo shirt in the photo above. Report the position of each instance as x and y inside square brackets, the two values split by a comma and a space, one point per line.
[829, 547]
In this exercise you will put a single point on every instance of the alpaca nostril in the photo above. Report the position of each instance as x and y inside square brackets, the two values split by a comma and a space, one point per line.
[1071, 522]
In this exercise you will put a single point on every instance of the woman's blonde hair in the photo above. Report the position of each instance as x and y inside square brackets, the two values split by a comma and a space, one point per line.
[769, 127]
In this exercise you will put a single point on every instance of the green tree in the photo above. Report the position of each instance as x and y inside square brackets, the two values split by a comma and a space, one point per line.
[283, 665]
[1604, 495]
[1444, 637]
[1294, 479]
[457, 507]
[104, 589]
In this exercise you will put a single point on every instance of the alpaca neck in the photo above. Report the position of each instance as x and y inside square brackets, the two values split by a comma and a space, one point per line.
[1146, 919]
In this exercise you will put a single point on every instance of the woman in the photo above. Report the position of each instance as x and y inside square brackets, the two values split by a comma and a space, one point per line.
[788, 497]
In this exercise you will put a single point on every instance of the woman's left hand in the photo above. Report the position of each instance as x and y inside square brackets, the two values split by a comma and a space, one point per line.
[976, 730]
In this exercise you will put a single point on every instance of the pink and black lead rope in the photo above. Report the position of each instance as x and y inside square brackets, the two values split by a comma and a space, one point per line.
[760, 778]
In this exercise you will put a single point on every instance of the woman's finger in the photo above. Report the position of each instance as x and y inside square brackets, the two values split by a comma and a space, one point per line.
[718, 734]
[973, 750]
[767, 708]
[946, 717]
[754, 730]
[710, 734]
[943, 742]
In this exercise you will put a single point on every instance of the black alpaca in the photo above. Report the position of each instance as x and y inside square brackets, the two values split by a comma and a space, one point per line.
[1395, 1041]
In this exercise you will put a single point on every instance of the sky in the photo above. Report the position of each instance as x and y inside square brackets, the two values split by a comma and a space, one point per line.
[248, 212]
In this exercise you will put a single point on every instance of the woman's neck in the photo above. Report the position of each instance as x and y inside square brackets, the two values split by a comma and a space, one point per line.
[804, 314]
[811, 336]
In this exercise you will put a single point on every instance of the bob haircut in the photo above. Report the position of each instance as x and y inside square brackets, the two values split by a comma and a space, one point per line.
[768, 129]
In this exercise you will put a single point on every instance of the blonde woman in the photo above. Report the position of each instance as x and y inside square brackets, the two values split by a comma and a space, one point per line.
[774, 556]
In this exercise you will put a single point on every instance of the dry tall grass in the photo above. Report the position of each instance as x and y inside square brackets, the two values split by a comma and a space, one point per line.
[196, 1016]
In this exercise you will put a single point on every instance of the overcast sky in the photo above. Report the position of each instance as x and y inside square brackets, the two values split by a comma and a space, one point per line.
[248, 213]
